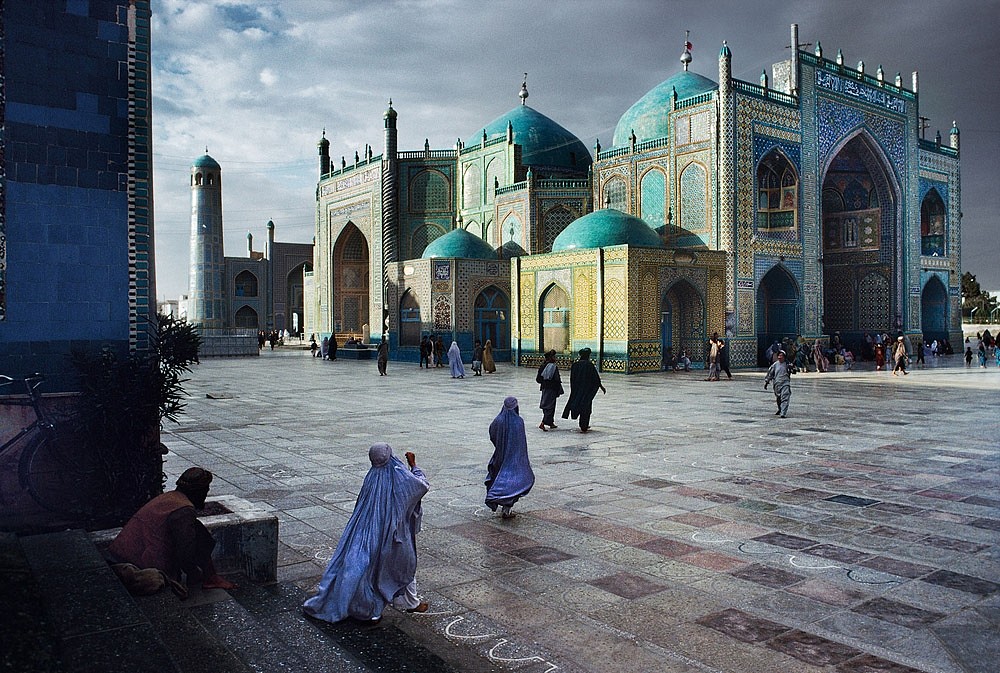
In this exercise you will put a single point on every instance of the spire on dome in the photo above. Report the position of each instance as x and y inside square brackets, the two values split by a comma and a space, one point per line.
[523, 93]
[686, 56]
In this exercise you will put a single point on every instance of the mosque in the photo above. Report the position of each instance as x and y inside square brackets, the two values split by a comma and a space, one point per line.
[803, 204]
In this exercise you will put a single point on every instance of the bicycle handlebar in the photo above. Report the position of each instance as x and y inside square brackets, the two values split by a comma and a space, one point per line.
[31, 381]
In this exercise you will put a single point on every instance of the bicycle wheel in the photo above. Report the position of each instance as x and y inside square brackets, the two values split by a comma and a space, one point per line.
[61, 477]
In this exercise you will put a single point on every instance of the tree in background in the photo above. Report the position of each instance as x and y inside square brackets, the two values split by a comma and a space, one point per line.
[977, 304]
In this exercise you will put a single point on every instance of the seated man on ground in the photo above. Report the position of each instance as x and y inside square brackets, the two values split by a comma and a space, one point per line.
[166, 534]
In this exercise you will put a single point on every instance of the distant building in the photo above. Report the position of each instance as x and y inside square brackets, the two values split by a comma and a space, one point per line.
[803, 204]
[263, 290]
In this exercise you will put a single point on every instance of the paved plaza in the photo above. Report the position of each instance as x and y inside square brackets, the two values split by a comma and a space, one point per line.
[691, 530]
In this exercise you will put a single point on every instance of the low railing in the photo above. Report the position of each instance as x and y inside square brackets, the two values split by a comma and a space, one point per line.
[765, 92]
[428, 154]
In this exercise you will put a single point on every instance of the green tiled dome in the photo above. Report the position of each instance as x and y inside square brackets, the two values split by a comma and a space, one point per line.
[205, 161]
[604, 228]
[543, 141]
[459, 243]
[648, 117]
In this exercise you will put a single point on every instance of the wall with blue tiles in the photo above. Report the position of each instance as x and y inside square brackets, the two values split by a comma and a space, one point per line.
[67, 282]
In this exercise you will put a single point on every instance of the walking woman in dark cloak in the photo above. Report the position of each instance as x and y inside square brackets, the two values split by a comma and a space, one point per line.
[584, 382]
[509, 475]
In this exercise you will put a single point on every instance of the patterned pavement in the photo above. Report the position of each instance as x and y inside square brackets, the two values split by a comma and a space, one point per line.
[691, 530]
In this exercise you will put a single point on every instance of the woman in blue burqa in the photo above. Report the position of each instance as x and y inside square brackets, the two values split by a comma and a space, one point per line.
[455, 361]
[375, 562]
[509, 475]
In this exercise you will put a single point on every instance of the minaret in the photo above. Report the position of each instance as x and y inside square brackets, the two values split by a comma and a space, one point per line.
[727, 158]
[324, 155]
[954, 136]
[268, 284]
[390, 212]
[207, 281]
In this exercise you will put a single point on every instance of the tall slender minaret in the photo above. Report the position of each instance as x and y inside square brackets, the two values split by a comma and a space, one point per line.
[206, 287]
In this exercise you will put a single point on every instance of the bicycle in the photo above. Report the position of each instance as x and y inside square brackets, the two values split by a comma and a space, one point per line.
[51, 468]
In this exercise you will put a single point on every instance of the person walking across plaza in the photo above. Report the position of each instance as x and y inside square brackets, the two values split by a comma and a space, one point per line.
[713, 357]
[508, 476]
[375, 562]
[550, 384]
[455, 361]
[723, 356]
[383, 356]
[780, 373]
[489, 366]
[899, 355]
[584, 382]
[477, 359]
[439, 352]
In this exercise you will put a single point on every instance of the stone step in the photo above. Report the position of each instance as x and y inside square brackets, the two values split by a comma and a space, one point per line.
[88, 621]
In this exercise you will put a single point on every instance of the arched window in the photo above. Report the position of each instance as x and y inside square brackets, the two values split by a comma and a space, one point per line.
[616, 194]
[653, 195]
[555, 320]
[494, 178]
[211, 178]
[246, 318]
[511, 231]
[245, 284]
[198, 178]
[409, 320]
[777, 193]
[430, 192]
[472, 186]
[694, 194]
[492, 307]
[355, 247]
[932, 225]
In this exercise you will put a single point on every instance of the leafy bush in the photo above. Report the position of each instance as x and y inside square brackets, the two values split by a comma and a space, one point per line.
[123, 403]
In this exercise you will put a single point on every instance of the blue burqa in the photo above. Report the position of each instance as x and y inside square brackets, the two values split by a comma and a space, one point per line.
[376, 557]
[509, 474]
[455, 361]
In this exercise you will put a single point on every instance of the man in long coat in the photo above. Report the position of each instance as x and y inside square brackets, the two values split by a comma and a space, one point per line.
[584, 382]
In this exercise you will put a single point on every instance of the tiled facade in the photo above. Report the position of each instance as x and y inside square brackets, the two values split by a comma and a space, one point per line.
[826, 210]
[76, 234]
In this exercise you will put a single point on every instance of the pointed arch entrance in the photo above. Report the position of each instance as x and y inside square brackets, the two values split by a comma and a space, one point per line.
[555, 313]
[934, 310]
[491, 310]
[777, 309]
[682, 321]
[349, 305]
[862, 250]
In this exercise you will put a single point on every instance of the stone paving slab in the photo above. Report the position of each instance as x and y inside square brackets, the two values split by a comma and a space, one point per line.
[691, 530]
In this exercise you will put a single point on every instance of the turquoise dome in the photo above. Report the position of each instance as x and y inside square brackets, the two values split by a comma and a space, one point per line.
[543, 141]
[205, 161]
[648, 117]
[603, 228]
[459, 243]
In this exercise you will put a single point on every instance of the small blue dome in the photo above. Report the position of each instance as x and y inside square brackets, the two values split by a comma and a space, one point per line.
[648, 117]
[459, 243]
[205, 161]
[603, 228]
[543, 141]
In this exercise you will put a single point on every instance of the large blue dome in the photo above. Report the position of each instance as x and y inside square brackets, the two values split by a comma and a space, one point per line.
[543, 141]
[459, 243]
[648, 117]
[604, 228]
[205, 161]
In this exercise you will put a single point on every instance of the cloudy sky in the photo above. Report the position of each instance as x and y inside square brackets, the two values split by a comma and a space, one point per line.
[256, 82]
